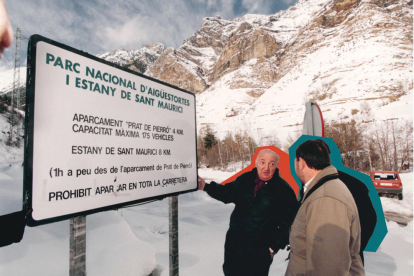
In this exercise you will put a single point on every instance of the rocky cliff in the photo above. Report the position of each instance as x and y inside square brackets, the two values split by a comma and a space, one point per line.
[256, 72]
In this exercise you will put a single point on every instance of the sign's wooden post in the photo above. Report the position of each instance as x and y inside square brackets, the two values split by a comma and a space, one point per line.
[173, 215]
[77, 247]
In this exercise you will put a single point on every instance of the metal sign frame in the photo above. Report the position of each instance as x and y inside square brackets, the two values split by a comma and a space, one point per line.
[29, 133]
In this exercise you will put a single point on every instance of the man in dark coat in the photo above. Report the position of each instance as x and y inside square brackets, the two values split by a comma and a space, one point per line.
[265, 206]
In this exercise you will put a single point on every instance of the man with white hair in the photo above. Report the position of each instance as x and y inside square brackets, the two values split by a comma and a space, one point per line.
[265, 206]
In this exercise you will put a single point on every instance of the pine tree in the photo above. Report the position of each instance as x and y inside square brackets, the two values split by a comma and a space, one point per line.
[209, 139]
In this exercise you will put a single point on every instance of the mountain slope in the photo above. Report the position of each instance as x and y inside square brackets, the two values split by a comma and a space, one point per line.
[348, 53]
[256, 72]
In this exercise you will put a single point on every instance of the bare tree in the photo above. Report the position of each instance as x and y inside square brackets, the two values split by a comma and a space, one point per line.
[292, 138]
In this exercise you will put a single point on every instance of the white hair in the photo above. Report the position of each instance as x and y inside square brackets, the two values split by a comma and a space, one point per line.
[271, 152]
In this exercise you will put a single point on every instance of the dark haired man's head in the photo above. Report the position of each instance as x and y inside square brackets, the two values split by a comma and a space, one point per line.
[312, 156]
[315, 153]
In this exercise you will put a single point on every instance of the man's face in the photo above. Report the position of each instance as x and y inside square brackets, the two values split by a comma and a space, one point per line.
[266, 165]
[298, 170]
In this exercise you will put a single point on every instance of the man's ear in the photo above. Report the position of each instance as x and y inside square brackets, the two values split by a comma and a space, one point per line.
[302, 163]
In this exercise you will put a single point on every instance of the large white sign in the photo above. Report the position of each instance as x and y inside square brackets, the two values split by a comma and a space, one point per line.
[103, 136]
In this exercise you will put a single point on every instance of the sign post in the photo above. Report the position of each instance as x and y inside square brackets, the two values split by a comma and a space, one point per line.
[313, 120]
[77, 246]
[101, 137]
[312, 125]
[173, 229]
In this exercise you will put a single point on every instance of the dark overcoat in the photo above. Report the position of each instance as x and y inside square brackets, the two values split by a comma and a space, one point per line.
[257, 223]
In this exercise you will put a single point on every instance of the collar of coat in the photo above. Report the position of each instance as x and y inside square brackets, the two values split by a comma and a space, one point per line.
[330, 170]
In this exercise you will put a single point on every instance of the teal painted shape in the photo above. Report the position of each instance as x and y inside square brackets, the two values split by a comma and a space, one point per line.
[380, 230]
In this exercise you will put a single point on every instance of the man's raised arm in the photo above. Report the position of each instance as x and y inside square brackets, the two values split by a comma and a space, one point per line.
[224, 193]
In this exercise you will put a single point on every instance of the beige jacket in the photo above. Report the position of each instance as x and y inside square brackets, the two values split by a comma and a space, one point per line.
[326, 235]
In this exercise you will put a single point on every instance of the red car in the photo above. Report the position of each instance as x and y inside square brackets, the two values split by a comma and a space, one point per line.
[387, 183]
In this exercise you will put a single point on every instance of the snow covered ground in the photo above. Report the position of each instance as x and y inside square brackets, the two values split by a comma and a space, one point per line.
[134, 241]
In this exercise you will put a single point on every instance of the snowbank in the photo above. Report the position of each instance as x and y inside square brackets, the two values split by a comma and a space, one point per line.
[111, 246]
[134, 241]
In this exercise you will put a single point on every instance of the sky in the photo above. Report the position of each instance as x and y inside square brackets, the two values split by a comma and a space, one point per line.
[98, 26]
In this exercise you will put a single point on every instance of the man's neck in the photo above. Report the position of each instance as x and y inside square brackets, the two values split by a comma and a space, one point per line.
[311, 174]
[306, 185]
